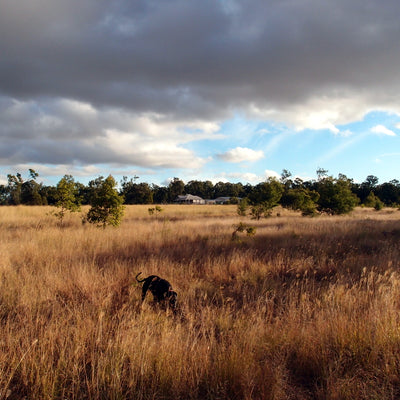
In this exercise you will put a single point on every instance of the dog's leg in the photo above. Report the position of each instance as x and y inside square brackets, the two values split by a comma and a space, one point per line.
[145, 288]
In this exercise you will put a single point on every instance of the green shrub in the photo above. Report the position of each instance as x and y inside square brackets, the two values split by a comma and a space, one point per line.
[106, 204]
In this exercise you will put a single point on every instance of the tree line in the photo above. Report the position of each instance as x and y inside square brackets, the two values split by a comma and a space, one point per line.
[333, 195]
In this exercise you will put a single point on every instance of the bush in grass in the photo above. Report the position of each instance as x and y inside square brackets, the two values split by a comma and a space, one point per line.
[303, 200]
[373, 201]
[66, 197]
[335, 195]
[106, 204]
[264, 197]
[242, 207]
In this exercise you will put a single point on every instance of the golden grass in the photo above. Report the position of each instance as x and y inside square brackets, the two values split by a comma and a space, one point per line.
[305, 309]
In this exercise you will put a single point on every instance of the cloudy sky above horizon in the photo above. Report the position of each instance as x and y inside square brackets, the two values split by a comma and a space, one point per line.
[229, 90]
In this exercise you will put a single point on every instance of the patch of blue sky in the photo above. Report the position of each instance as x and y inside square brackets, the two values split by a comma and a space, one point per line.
[356, 150]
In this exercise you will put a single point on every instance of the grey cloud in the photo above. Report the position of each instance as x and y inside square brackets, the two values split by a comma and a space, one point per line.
[150, 55]
[60, 131]
[182, 59]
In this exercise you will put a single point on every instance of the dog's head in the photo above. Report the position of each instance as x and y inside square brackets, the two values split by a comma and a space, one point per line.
[172, 295]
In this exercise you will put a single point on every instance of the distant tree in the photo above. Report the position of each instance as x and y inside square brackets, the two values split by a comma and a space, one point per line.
[285, 175]
[371, 181]
[373, 201]
[30, 190]
[233, 200]
[265, 196]
[258, 210]
[370, 200]
[66, 197]
[303, 200]
[84, 193]
[268, 193]
[136, 193]
[322, 173]
[242, 207]
[203, 189]
[48, 194]
[228, 189]
[246, 190]
[285, 180]
[14, 188]
[106, 204]
[287, 184]
[3, 195]
[298, 183]
[175, 188]
[378, 204]
[160, 194]
[365, 188]
[389, 193]
[336, 196]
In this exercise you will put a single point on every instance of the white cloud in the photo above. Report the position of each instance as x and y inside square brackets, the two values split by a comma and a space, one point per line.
[244, 177]
[271, 174]
[319, 112]
[240, 154]
[61, 169]
[146, 152]
[382, 130]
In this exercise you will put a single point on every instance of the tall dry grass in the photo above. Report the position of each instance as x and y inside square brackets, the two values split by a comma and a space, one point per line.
[305, 309]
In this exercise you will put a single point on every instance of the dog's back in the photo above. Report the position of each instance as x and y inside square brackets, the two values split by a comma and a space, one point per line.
[160, 288]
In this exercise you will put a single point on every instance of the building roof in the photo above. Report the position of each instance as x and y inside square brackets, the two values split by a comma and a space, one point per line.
[186, 197]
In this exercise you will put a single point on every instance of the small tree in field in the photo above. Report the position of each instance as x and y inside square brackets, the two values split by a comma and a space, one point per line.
[242, 207]
[335, 195]
[258, 210]
[303, 200]
[264, 197]
[240, 228]
[373, 201]
[106, 204]
[66, 197]
[154, 211]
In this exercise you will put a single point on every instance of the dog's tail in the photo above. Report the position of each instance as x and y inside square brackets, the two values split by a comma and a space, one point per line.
[139, 279]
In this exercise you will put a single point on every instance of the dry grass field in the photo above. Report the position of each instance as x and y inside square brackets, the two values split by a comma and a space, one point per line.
[308, 308]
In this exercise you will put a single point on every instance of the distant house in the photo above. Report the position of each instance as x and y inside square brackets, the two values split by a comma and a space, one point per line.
[189, 199]
[222, 200]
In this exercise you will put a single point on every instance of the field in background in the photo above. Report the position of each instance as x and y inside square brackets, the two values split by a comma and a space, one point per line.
[308, 308]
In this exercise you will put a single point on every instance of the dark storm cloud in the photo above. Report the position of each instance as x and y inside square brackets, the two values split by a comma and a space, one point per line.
[188, 57]
[183, 60]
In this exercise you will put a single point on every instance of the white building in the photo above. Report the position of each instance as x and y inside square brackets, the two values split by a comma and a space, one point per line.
[189, 199]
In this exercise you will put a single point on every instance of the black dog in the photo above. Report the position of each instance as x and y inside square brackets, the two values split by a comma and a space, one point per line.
[160, 288]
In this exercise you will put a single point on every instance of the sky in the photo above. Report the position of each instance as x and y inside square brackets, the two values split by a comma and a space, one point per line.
[220, 90]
